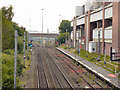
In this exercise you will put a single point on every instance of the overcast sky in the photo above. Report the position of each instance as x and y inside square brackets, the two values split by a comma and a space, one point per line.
[27, 11]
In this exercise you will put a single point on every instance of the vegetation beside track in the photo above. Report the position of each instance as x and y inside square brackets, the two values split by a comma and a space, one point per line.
[113, 67]
[8, 68]
[8, 38]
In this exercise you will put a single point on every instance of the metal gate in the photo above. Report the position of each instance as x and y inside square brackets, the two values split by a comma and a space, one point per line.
[114, 56]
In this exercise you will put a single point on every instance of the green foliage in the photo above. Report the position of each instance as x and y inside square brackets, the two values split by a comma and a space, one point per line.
[8, 68]
[9, 52]
[8, 12]
[8, 29]
[65, 47]
[19, 67]
[92, 57]
[7, 34]
[19, 29]
[65, 24]
[8, 39]
[20, 45]
[62, 37]
[7, 71]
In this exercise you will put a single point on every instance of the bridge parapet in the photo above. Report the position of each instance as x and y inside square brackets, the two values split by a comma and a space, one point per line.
[48, 35]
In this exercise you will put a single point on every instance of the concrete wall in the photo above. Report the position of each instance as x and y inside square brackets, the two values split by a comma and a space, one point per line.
[107, 48]
[116, 26]
[112, 17]
[96, 15]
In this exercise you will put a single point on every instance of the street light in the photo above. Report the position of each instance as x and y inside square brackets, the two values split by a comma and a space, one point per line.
[42, 20]
[42, 23]
[59, 18]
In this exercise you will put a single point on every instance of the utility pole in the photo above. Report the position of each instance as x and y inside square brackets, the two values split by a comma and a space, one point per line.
[27, 43]
[66, 37]
[15, 62]
[98, 59]
[24, 49]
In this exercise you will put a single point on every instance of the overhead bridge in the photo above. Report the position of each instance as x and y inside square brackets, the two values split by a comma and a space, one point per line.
[47, 35]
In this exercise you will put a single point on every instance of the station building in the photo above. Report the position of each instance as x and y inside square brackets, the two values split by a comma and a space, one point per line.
[103, 18]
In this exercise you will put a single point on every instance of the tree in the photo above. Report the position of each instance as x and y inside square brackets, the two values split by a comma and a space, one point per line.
[65, 24]
[8, 12]
[8, 38]
[8, 28]
[62, 37]
[7, 34]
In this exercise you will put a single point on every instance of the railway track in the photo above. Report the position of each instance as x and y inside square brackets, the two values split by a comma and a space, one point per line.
[54, 71]
[59, 75]
[41, 74]
[92, 82]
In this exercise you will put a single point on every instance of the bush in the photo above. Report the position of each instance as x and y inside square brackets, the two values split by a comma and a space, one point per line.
[65, 47]
[7, 52]
[19, 67]
[8, 69]
[20, 45]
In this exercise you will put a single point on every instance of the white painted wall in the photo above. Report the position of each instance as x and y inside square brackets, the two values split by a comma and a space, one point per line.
[95, 16]
[72, 35]
[108, 12]
[81, 21]
[107, 35]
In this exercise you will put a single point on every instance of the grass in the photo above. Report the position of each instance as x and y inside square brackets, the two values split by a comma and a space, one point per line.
[27, 66]
[22, 82]
[92, 57]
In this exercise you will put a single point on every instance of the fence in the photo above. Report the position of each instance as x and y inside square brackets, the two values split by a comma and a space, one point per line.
[114, 56]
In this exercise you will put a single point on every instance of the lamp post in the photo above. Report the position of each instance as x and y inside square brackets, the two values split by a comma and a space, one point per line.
[59, 18]
[42, 23]
[42, 20]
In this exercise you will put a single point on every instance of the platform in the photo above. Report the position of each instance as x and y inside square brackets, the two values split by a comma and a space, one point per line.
[108, 76]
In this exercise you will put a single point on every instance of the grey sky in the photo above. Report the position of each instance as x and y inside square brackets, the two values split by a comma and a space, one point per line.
[30, 10]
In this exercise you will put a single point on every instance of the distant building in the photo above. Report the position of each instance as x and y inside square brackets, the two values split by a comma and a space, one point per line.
[103, 17]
